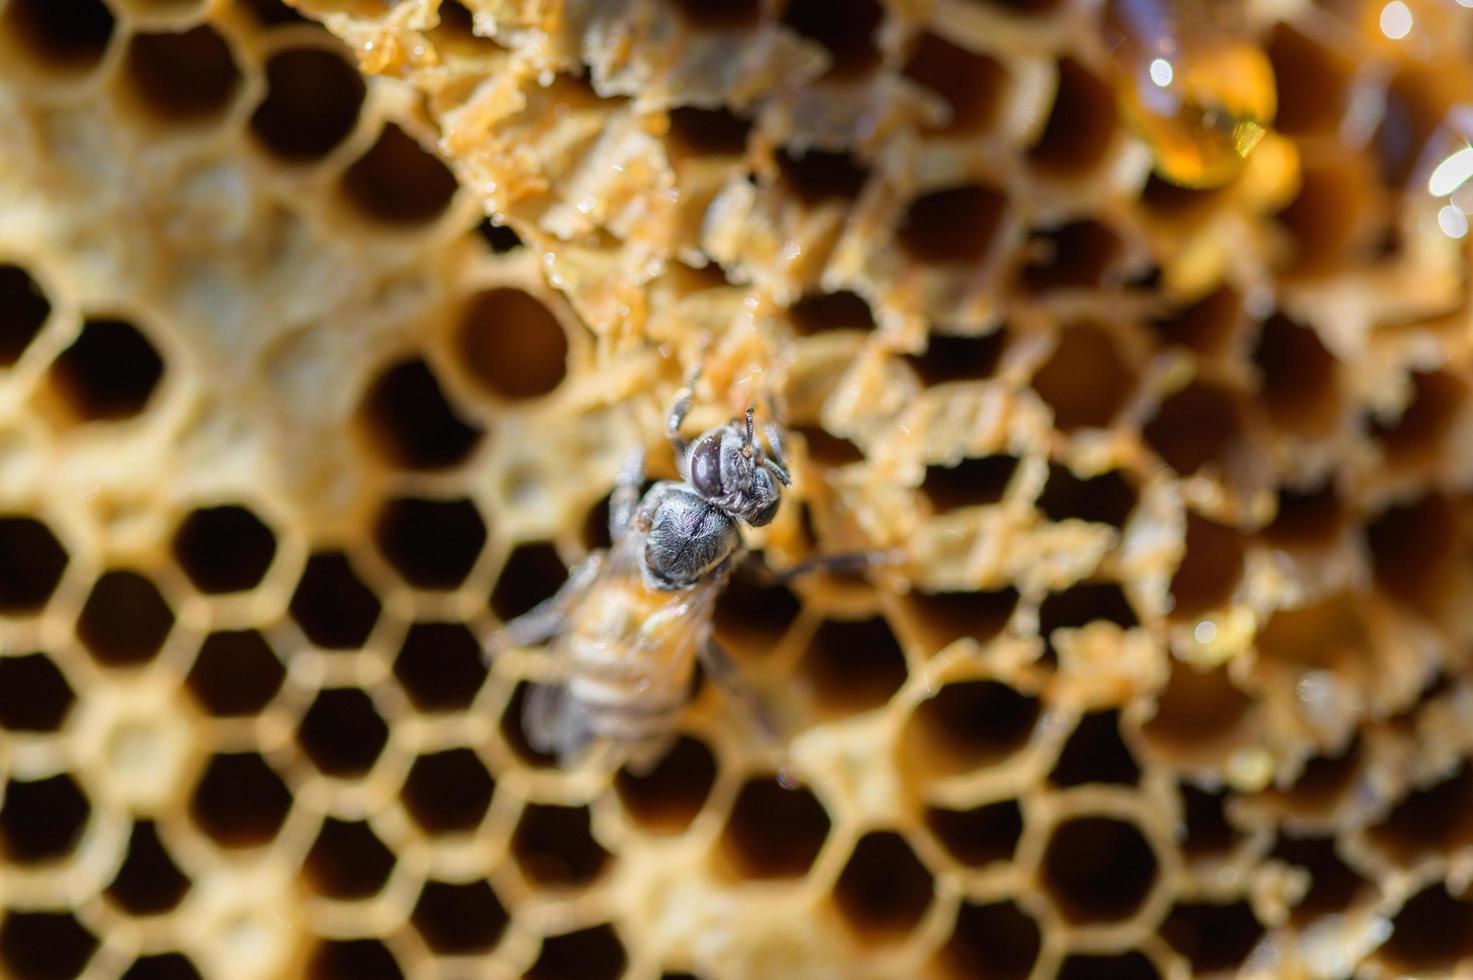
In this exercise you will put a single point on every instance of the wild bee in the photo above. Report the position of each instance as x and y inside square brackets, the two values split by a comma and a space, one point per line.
[628, 625]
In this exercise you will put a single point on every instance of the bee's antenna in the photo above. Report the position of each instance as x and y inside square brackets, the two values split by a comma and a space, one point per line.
[751, 411]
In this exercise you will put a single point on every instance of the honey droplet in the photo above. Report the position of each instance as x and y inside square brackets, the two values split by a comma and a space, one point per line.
[1195, 88]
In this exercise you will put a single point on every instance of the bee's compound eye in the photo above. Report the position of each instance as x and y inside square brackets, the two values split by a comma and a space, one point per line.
[705, 467]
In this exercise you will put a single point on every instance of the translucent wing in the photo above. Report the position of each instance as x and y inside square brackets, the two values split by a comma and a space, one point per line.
[729, 678]
[554, 723]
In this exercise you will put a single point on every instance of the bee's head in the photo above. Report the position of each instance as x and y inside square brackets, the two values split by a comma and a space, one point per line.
[729, 467]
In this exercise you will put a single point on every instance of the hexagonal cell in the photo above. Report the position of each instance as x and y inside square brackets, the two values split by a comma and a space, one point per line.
[448, 792]
[1417, 108]
[972, 85]
[162, 966]
[34, 694]
[500, 238]
[42, 820]
[459, 919]
[108, 374]
[1095, 753]
[1416, 436]
[667, 797]
[514, 732]
[1300, 385]
[981, 836]
[1117, 966]
[1413, 546]
[332, 605]
[45, 945]
[31, 563]
[1195, 426]
[225, 548]
[827, 449]
[1085, 380]
[342, 732]
[411, 423]
[1208, 833]
[1429, 821]
[1098, 869]
[816, 177]
[532, 572]
[347, 861]
[366, 958]
[1198, 713]
[235, 674]
[959, 357]
[1076, 255]
[1306, 517]
[852, 667]
[312, 101]
[594, 953]
[773, 831]
[709, 132]
[185, 78]
[1321, 785]
[971, 482]
[1206, 324]
[1210, 568]
[719, 14]
[1082, 604]
[1081, 124]
[1334, 886]
[555, 848]
[945, 617]
[1313, 82]
[751, 617]
[849, 36]
[1213, 937]
[440, 666]
[824, 312]
[61, 36]
[433, 544]
[149, 882]
[397, 183]
[25, 309]
[1326, 221]
[1107, 498]
[954, 225]
[511, 344]
[884, 890]
[1432, 934]
[969, 724]
[997, 941]
[1327, 634]
[124, 620]
[239, 800]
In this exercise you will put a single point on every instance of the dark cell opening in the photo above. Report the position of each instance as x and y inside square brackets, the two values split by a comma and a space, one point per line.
[60, 35]
[1104, 499]
[981, 836]
[448, 792]
[34, 694]
[949, 616]
[410, 421]
[440, 666]
[332, 605]
[588, 954]
[1098, 869]
[42, 820]
[273, 12]
[397, 182]
[501, 239]
[23, 311]
[1078, 606]
[952, 225]
[1429, 821]
[1412, 548]
[513, 730]
[347, 861]
[240, 801]
[224, 549]
[1193, 427]
[847, 32]
[1206, 324]
[822, 312]
[433, 544]
[312, 102]
[720, 15]
[853, 666]
[1432, 933]
[45, 945]
[108, 374]
[667, 798]
[1213, 937]
[1417, 435]
[533, 572]
[555, 846]
[125, 620]
[361, 959]
[459, 919]
[954, 357]
[342, 733]
[827, 449]
[972, 482]
[709, 132]
[884, 890]
[1313, 83]
[149, 882]
[1085, 380]
[1080, 126]
[971, 724]
[512, 345]
[1334, 886]
[818, 176]
[235, 674]
[182, 78]
[1322, 221]
[1120, 966]
[991, 942]
[162, 966]
[1095, 753]
[1300, 386]
[971, 84]
[774, 832]
[1307, 517]
[1209, 570]
[1078, 255]
[1198, 712]
[752, 617]
[1209, 834]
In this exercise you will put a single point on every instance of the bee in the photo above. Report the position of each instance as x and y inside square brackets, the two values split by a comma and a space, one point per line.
[628, 626]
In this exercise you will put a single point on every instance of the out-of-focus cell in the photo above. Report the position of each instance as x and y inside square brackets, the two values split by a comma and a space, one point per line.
[431, 543]
[23, 311]
[185, 78]
[997, 941]
[65, 37]
[235, 673]
[347, 861]
[884, 889]
[511, 344]
[459, 919]
[1098, 869]
[594, 953]
[397, 183]
[332, 605]
[34, 694]
[125, 620]
[342, 732]
[41, 820]
[239, 801]
[555, 846]
[448, 792]
[440, 666]
[409, 421]
[45, 945]
[225, 548]
[312, 102]
[149, 881]
[774, 831]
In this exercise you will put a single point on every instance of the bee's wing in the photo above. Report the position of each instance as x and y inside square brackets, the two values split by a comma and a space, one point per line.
[546, 619]
[554, 723]
[729, 678]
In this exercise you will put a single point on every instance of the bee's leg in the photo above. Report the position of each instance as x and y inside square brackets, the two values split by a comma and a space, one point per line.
[546, 619]
[625, 499]
[678, 411]
[728, 677]
[844, 562]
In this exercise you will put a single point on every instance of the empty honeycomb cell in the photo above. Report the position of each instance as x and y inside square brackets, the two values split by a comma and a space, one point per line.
[108, 374]
[1170, 202]
[433, 544]
[709, 132]
[1433, 820]
[1082, 604]
[411, 423]
[1416, 106]
[827, 449]
[533, 572]
[190, 77]
[1095, 753]
[945, 617]
[753, 616]
[1310, 516]
[448, 792]
[980, 836]
[1209, 570]
[971, 724]
[774, 831]
[23, 312]
[1193, 427]
[271, 13]
[1104, 499]
[511, 344]
[342, 732]
[1322, 783]
[971, 84]
[1029, 7]
[1098, 869]
[1324, 218]
[849, 36]
[555, 847]
[1432, 933]
[1117, 966]
[1313, 82]
[440, 666]
[124, 620]
[853, 666]
[332, 605]
[397, 183]
[1085, 380]
[63, 36]
[884, 890]
[1207, 832]
[1333, 885]
[1300, 387]
[313, 97]
[819, 176]
[1081, 124]
[347, 860]
[459, 919]
[952, 225]
[239, 801]
[162, 966]
[513, 730]
[34, 694]
[501, 239]
[970, 482]
[996, 941]
[822, 312]
[367, 959]
[594, 953]
[45, 945]
[1077, 255]
[235, 674]
[1204, 325]
[1417, 435]
[1412, 547]
[720, 15]
[1198, 711]
[1214, 938]
[149, 882]
[41, 820]
[955, 357]
[225, 548]
[667, 797]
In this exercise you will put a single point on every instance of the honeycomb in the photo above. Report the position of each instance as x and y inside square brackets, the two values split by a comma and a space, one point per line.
[325, 326]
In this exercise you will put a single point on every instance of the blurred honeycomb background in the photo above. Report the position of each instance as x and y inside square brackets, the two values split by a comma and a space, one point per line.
[324, 326]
